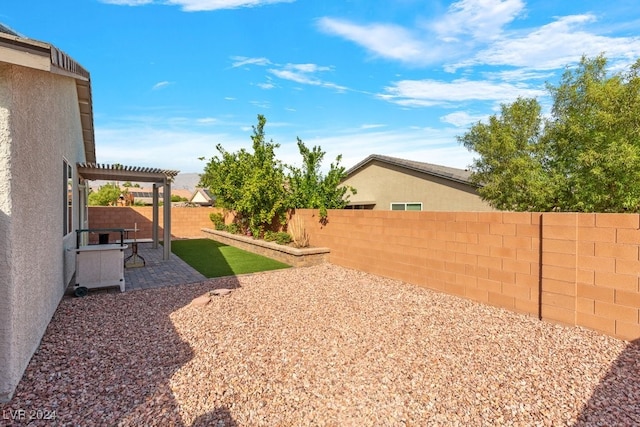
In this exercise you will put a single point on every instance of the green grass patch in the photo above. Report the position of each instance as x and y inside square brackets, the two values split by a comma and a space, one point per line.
[214, 259]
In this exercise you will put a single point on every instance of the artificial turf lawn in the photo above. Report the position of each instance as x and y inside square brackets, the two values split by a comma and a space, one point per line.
[214, 259]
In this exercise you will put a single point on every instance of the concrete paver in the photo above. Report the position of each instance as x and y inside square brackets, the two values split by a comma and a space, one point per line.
[157, 272]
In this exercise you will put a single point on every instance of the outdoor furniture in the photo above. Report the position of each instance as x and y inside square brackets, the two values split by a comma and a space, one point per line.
[99, 266]
[134, 247]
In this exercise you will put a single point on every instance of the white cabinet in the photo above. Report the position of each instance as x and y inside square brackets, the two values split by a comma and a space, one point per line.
[100, 266]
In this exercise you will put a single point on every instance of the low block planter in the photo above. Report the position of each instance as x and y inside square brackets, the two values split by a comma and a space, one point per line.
[295, 257]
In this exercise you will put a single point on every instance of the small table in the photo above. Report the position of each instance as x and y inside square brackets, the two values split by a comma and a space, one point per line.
[134, 246]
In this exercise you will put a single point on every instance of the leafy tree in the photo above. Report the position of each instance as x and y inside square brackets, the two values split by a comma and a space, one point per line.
[254, 185]
[249, 183]
[585, 157]
[106, 195]
[309, 188]
[595, 138]
[511, 167]
[176, 198]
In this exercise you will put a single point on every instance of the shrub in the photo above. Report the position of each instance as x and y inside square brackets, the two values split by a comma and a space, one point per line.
[280, 237]
[218, 220]
[232, 228]
[283, 238]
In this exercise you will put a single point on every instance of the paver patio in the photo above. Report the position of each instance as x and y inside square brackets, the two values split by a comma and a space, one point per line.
[158, 272]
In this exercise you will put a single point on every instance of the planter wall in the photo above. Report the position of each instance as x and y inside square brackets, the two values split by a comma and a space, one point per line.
[293, 256]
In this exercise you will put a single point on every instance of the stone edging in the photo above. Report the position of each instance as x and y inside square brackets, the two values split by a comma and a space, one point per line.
[297, 257]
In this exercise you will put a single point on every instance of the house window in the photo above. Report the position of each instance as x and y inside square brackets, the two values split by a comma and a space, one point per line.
[67, 222]
[412, 206]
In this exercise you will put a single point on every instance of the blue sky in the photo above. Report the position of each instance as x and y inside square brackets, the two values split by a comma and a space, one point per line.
[173, 78]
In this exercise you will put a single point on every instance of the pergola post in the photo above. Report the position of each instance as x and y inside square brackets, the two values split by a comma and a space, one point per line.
[167, 218]
[156, 220]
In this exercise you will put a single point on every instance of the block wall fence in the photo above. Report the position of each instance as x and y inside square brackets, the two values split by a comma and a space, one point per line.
[185, 222]
[569, 268]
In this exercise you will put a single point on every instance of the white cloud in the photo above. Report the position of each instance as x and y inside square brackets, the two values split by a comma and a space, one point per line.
[128, 2]
[519, 75]
[300, 73]
[160, 85]
[423, 93]
[200, 5]
[384, 40]
[480, 32]
[305, 74]
[462, 118]
[207, 120]
[260, 104]
[240, 61]
[372, 126]
[204, 5]
[295, 76]
[481, 19]
[553, 46]
[467, 24]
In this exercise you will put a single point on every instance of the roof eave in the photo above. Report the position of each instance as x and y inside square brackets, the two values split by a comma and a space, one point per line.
[46, 57]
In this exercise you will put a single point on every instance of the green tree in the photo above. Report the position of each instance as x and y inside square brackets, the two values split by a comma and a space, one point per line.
[585, 157]
[106, 195]
[252, 184]
[176, 198]
[594, 138]
[511, 169]
[309, 188]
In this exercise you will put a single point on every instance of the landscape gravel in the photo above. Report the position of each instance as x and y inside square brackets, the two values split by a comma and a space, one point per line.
[319, 346]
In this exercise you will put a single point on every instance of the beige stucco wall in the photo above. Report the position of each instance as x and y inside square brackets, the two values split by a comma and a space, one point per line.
[39, 127]
[386, 184]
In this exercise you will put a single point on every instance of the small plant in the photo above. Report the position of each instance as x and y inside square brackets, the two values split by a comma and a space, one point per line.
[283, 238]
[232, 228]
[280, 237]
[218, 220]
[298, 232]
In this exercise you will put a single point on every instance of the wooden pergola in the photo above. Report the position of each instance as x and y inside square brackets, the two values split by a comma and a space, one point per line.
[158, 177]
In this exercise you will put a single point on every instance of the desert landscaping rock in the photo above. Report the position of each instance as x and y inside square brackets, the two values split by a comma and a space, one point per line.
[221, 292]
[332, 347]
[201, 301]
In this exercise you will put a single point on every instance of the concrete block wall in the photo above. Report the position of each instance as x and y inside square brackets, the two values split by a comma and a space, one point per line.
[185, 222]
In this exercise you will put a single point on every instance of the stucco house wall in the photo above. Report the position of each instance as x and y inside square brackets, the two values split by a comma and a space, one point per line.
[385, 183]
[39, 127]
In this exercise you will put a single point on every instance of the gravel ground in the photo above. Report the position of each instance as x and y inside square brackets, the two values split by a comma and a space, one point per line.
[320, 346]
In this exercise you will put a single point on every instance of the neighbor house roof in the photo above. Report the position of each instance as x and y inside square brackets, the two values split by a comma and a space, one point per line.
[446, 172]
[204, 193]
[18, 50]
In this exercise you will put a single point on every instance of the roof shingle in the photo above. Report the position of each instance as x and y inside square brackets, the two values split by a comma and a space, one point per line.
[446, 172]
